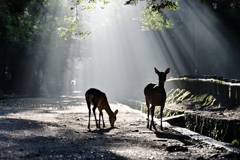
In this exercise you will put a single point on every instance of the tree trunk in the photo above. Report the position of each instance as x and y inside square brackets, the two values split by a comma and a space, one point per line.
[2, 71]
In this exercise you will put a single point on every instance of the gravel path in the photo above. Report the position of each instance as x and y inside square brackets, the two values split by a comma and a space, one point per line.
[56, 128]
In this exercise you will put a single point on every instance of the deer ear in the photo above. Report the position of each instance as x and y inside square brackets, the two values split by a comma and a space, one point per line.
[156, 71]
[167, 71]
[116, 112]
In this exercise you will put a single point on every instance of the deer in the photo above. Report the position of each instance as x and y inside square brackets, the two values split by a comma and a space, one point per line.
[99, 100]
[156, 96]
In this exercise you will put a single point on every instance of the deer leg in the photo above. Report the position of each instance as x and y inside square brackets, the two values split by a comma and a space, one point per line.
[94, 108]
[99, 120]
[103, 120]
[147, 114]
[162, 107]
[89, 114]
[152, 115]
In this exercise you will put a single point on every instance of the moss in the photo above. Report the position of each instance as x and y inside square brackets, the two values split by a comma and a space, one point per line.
[184, 96]
[198, 98]
[172, 95]
[143, 108]
[236, 142]
[170, 92]
[179, 95]
[202, 129]
[209, 101]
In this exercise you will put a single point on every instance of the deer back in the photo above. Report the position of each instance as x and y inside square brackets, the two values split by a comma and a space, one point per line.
[97, 97]
[154, 94]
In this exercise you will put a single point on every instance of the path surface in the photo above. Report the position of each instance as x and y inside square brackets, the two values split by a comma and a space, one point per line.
[56, 128]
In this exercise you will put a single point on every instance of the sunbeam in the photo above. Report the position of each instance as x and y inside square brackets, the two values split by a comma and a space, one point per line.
[119, 59]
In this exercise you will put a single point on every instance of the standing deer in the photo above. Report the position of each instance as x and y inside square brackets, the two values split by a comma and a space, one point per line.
[156, 95]
[99, 100]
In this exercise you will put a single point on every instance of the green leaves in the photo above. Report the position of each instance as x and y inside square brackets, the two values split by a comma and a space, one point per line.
[154, 20]
[172, 5]
[163, 5]
[153, 17]
[18, 29]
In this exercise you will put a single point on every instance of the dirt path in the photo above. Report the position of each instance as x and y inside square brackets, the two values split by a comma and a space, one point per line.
[56, 128]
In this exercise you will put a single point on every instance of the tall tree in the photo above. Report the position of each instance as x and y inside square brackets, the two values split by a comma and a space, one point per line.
[16, 30]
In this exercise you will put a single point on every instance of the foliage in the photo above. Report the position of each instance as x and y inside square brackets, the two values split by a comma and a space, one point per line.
[17, 19]
[18, 28]
[35, 33]
[81, 9]
[30, 35]
[155, 20]
[161, 6]
[236, 142]
[57, 16]
[155, 17]
[222, 4]
[16, 6]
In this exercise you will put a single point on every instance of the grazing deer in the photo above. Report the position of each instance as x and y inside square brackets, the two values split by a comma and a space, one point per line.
[99, 100]
[156, 95]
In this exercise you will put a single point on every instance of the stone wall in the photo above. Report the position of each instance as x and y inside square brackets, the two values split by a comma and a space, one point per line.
[219, 129]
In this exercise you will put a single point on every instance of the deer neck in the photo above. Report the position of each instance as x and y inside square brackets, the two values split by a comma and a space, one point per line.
[108, 109]
[161, 87]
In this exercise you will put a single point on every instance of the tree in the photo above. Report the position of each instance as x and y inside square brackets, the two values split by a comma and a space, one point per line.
[154, 14]
[16, 30]
[26, 30]
[222, 4]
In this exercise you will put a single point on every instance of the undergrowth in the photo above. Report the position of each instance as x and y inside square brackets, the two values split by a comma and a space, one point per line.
[179, 95]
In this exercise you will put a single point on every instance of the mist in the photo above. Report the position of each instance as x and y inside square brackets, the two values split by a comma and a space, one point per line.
[119, 59]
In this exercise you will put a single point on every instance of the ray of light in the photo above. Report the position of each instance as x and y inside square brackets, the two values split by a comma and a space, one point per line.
[119, 58]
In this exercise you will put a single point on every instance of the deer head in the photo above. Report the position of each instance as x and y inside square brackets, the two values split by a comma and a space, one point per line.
[162, 75]
[112, 119]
